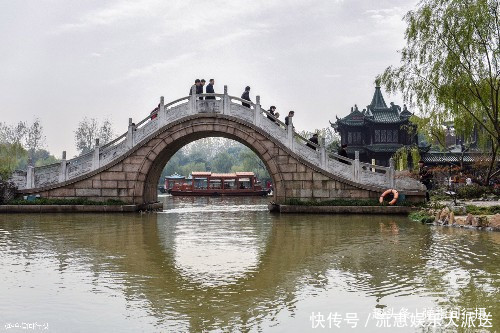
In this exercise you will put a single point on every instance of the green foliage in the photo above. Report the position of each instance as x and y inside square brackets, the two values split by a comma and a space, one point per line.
[340, 202]
[401, 158]
[10, 156]
[421, 216]
[472, 191]
[78, 201]
[475, 210]
[450, 69]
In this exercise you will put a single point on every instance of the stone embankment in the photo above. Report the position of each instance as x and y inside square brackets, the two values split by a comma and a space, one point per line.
[448, 217]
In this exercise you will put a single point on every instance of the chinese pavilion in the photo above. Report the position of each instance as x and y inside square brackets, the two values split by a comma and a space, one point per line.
[378, 131]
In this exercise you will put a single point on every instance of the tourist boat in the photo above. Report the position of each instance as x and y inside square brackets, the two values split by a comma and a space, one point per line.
[215, 184]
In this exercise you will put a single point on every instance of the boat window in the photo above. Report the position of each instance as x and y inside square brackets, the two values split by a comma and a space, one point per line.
[229, 184]
[215, 184]
[244, 183]
[200, 183]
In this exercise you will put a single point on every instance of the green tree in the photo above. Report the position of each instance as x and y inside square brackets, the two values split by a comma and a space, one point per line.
[10, 154]
[222, 163]
[450, 69]
[89, 130]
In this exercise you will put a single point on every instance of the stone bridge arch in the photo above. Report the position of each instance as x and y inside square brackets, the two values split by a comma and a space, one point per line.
[196, 127]
[128, 168]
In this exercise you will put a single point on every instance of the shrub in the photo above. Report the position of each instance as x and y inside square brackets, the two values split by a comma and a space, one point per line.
[7, 191]
[472, 191]
[79, 201]
[421, 216]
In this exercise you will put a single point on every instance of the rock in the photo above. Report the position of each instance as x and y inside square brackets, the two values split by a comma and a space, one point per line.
[438, 213]
[461, 220]
[469, 220]
[494, 222]
[480, 221]
[451, 218]
[444, 213]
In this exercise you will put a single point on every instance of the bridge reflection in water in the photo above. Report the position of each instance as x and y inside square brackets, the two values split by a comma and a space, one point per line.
[218, 264]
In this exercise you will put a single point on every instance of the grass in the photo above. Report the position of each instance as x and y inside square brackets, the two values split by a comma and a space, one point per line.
[79, 201]
[343, 202]
[475, 210]
[421, 216]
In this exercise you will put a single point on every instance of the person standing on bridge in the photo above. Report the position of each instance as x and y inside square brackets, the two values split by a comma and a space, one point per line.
[289, 117]
[271, 111]
[196, 84]
[210, 89]
[200, 88]
[246, 96]
[313, 139]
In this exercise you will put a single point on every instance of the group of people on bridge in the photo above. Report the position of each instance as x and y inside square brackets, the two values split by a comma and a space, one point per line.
[273, 115]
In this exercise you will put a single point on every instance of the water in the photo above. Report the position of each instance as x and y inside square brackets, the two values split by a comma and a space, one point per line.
[228, 265]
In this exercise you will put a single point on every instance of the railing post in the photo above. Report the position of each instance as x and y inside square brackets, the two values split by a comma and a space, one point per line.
[30, 177]
[356, 166]
[192, 101]
[62, 174]
[322, 153]
[392, 173]
[226, 102]
[258, 112]
[95, 158]
[289, 133]
[130, 134]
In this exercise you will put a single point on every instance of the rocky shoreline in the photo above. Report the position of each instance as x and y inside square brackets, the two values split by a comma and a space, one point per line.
[449, 217]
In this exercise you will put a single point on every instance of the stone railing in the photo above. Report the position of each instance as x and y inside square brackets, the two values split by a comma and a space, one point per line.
[101, 156]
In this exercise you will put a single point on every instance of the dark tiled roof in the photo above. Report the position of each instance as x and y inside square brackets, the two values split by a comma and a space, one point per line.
[355, 118]
[378, 101]
[377, 112]
[385, 116]
[439, 157]
[384, 147]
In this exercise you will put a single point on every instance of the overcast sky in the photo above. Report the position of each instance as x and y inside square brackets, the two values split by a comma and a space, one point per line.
[62, 60]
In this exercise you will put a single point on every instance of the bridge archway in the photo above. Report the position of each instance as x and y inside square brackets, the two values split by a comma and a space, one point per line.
[167, 143]
[196, 127]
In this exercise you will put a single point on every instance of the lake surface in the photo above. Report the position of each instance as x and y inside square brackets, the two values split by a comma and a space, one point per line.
[228, 265]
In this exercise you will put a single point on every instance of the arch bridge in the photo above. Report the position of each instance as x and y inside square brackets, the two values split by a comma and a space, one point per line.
[129, 167]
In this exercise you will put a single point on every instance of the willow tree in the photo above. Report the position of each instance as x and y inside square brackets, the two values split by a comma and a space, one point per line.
[450, 69]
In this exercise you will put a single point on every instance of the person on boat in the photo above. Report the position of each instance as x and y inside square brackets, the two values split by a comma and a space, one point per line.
[313, 139]
[210, 89]
[246, 96]
[271, 111]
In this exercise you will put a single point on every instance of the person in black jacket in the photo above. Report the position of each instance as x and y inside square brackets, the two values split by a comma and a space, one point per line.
[199, 90]
[271, 111]
[343, 152]
[210, 89]
[313, 139]
[246, 96]
[289, 117]
[197, 82]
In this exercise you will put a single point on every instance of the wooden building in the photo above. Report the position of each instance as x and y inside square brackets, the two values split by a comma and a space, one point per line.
[378, 131]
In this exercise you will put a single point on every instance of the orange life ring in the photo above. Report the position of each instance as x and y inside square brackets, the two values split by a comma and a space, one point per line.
[393, 201]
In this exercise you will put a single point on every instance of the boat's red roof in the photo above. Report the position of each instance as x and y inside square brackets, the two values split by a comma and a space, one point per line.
[221, 175]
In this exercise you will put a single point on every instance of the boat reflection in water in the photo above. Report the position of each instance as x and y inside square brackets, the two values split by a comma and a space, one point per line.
[216, 184]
